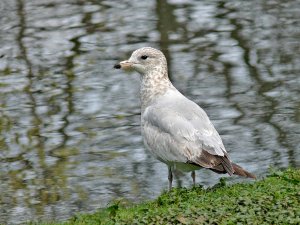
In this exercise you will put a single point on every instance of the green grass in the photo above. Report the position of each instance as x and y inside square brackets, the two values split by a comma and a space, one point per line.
[273, 200]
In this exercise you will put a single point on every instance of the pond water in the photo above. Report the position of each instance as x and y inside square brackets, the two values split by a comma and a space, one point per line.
[70, 124]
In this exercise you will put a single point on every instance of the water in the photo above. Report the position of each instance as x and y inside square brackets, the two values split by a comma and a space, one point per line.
[70, 137]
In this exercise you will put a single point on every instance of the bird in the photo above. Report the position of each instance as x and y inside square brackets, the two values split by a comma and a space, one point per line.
[176, 130]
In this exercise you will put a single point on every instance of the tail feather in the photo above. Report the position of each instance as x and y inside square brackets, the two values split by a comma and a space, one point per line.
[241, 172]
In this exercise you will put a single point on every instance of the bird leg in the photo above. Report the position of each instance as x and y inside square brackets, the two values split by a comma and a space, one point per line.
[170, 178]
[193, 175]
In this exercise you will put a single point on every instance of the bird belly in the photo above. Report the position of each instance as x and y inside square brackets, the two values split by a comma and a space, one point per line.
[183, 167]
[163, 153]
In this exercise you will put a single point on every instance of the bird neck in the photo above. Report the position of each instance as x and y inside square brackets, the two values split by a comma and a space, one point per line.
[153, 85]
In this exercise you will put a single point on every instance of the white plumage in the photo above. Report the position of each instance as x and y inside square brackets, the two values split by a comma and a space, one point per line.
[175, 129]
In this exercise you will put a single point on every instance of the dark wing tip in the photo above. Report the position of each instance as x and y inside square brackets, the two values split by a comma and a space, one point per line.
[238, 170]
[216, 163]
[220, 164]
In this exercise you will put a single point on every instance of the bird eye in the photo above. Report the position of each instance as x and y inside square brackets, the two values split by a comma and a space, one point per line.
[144, 57]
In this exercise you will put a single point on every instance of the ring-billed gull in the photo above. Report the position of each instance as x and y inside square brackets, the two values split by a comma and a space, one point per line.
[175, 129]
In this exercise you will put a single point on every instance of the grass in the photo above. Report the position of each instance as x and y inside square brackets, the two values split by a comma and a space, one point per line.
[272, 200]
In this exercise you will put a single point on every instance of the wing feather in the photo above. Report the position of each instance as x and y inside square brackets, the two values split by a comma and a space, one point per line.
[182, 132]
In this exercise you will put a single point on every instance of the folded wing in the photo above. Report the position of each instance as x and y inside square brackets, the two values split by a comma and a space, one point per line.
[182, 132]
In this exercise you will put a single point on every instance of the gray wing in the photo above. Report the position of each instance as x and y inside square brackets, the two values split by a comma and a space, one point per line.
[180, 131]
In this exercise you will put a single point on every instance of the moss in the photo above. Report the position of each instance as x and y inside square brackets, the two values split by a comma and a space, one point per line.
[273, 200]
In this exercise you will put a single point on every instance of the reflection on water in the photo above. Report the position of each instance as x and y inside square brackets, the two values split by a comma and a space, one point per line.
[70, 138]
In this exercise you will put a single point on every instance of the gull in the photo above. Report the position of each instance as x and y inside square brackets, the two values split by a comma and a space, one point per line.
[176, 130]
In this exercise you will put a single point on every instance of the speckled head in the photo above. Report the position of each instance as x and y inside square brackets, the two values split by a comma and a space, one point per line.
[145, 61]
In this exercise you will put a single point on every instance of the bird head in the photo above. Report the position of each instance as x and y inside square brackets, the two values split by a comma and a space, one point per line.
[145, 61]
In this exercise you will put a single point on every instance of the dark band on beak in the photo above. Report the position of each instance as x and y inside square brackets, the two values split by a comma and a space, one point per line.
[117, 66]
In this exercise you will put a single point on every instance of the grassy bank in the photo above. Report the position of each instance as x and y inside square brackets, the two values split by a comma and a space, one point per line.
[273, 200]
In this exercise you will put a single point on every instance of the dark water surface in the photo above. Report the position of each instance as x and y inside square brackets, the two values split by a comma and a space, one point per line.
[70, 137]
